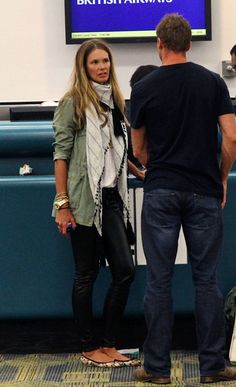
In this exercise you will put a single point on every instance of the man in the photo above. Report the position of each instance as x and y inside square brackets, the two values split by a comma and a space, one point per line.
[174, 116]
[233, 56]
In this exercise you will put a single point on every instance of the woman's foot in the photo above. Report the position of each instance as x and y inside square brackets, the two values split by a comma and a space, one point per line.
[114, 354]
[107, 357]
[98, 356]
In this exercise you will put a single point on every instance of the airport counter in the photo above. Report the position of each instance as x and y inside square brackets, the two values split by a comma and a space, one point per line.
[37, 268]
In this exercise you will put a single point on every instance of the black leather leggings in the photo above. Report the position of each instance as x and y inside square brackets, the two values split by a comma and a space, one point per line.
[118, 254]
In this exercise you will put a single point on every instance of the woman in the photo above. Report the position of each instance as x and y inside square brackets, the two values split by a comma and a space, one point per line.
[92, 199]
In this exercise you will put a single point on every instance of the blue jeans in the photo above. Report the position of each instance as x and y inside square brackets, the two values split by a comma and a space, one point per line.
[163, 213]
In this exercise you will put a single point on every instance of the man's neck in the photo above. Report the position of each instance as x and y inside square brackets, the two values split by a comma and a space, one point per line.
[171, 58]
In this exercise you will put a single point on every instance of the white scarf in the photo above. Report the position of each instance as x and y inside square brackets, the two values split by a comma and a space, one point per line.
[96, 148]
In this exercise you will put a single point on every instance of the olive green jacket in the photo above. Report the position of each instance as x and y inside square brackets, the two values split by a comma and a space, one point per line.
[70, 145]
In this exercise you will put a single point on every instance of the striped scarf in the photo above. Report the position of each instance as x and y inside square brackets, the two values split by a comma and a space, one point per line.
[98, 140]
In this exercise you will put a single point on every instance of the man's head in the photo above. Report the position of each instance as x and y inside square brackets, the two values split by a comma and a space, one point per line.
[233, 56]
[174, 33]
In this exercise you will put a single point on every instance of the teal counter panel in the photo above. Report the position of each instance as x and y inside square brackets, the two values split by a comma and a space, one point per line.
[37, 267]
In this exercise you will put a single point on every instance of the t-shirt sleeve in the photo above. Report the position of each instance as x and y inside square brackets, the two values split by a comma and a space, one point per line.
[225, 105]
[137, 104]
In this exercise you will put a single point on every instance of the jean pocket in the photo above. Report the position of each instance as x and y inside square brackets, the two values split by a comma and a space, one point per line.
[208, 210]
[161, 207]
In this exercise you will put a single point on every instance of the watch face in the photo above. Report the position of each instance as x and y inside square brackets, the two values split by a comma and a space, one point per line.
[57, 206]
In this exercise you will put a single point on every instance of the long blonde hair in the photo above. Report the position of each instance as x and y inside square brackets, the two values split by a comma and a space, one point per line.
[81, 89]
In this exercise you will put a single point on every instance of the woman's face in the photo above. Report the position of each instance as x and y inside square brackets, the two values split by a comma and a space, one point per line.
[98, 66]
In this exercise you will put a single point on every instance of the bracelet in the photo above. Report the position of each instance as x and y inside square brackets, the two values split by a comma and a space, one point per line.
[63, 208]
[61, 195]
[60, 202]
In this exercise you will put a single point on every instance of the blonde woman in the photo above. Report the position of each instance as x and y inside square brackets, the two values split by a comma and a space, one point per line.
[92, 199]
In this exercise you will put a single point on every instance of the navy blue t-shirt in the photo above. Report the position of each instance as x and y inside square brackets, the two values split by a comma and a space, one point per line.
[179, 106]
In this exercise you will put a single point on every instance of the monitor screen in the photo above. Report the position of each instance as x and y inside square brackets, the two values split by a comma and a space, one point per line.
[124, 21]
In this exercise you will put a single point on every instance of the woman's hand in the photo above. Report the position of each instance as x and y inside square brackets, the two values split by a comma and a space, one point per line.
[64, 218]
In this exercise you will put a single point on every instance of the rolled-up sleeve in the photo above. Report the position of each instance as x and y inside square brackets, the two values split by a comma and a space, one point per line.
[64, 130]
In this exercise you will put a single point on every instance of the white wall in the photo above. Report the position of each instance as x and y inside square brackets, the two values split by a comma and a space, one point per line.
[36, 63]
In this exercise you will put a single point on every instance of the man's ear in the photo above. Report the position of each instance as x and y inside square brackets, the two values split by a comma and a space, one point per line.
[159, 43]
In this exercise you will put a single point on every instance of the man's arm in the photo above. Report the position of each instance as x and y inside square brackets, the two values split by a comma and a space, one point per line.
[139, 142]
[135, 171]
[228, 149]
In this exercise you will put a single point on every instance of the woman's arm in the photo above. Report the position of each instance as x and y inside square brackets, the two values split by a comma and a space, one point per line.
[64, 133]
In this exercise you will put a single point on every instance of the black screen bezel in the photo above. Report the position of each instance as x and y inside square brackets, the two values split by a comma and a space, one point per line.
[69, 40]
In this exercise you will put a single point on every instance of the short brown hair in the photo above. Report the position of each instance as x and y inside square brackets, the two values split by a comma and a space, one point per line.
[175, 32]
